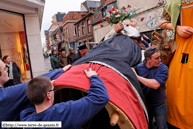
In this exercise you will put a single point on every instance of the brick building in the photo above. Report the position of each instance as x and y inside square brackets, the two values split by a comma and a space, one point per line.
[69, 30]
[57, 21]
[99, 32]
[84, 30]
[76, 28]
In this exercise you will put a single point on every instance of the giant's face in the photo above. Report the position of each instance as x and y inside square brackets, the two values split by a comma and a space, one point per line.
[131, 22]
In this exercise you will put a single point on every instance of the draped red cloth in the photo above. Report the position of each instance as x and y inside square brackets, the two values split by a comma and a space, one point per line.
[120, 91]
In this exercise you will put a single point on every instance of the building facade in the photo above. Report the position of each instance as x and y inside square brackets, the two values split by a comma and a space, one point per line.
[84, 29]
[20, 35]
[99, 32]
[148, 16]
[50, 34]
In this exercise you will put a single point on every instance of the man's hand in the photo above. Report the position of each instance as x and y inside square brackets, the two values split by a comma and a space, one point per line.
[118, 27]
[184, 31]
[90, 72]
[134, 71]
[67, 67]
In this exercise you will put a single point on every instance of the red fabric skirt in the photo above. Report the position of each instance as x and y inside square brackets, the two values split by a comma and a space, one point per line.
[120, 91]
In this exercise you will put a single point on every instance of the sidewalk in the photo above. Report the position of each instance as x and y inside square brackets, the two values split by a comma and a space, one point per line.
[47, 64]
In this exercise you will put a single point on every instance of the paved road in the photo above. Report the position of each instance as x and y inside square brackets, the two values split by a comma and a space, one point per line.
[47, 64]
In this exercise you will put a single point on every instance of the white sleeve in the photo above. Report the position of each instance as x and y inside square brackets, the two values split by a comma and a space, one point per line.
[110, 34]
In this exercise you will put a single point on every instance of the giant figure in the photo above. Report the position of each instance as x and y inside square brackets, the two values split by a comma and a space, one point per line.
[179, 84]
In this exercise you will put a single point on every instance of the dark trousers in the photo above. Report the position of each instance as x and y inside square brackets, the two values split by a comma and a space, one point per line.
[159, 112]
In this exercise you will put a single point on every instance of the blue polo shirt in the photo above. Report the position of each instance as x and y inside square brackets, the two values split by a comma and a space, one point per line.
[13, 99]
[160, 74]
[73, 114]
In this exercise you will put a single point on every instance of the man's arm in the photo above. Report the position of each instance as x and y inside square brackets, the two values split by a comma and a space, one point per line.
[85, 108]
[151, 83]
[18, 69]
[14, 98]
[117, 29]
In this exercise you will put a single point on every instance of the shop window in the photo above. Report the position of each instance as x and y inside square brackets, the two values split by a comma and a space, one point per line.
[13, 42]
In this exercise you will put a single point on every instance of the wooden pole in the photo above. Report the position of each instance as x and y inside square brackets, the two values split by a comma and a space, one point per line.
[114, 118]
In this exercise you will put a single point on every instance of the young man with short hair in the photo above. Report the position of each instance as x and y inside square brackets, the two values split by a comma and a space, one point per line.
[153, 75]
[72, 114]
[13, 99]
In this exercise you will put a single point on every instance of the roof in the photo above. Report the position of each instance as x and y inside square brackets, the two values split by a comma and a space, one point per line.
[56, 23]
[59, 17]
[107, 3]
[93, 4]
[74, 15]
[69, 21]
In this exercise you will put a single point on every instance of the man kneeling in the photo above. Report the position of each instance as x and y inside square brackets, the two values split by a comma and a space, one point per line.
[72, 114]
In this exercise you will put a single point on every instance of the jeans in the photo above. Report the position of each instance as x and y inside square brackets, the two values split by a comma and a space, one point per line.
[159, 112]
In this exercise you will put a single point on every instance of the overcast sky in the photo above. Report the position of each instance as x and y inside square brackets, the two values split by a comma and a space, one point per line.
[54, 6]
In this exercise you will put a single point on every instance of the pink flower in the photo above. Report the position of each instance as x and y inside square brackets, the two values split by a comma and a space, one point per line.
[113, 9]
[101, 25]
[142, 18]
[129, 6]
[110, 11]
[107, 18]
[101, 20]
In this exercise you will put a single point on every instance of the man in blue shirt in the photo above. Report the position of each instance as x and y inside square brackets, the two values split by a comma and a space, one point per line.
[72, 114]
[13, 99]
[153, 75]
